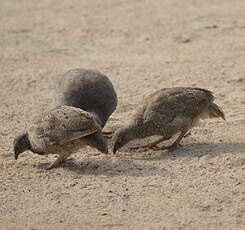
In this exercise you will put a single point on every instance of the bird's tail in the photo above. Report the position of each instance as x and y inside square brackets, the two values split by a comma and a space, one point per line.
[216, 111]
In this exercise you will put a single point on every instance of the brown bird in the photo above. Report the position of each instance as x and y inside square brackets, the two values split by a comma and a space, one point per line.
[167, 112]
[60, 131]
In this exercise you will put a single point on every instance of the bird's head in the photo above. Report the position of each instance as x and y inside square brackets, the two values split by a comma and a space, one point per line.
[103, 147]
[21, 144]
[121, 137]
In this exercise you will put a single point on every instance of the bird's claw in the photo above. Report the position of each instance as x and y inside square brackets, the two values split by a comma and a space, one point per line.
[156, 148]
[135, 147]
[149, 147]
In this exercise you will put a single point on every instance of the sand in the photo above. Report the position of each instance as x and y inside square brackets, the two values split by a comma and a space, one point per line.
[141, 46]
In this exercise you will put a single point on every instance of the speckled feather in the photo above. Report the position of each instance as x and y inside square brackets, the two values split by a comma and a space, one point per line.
[162, 109]
[61, 125]
[61, 131]
[167, 112]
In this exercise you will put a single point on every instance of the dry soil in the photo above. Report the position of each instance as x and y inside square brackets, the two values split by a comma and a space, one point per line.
[141, 46]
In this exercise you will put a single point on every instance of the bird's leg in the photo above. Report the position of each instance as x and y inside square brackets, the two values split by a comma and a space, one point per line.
[187, 134]
[107, 133]
[153, 145]
[176, 144]
[61, 158]
[55, 163]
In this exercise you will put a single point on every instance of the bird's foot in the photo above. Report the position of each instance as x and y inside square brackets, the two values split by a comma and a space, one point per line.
[51, 166]
[169, 147]
[56, 163]
[107, 133]
[145, 147]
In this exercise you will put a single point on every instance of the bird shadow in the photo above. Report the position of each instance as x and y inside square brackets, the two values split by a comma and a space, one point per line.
[126, 163]
[112, 166]
[195, 150]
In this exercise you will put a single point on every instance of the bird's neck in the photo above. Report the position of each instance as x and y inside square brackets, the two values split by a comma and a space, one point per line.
[132, 132]
[97, 118]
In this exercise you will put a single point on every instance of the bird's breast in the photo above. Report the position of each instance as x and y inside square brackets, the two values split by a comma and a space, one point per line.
[68, 147]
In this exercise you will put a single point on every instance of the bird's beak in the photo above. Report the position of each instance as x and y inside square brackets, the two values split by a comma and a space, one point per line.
[16, 155]
[114, 149]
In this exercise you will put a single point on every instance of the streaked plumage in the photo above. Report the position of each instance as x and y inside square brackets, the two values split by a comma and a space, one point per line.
[60, 131]
[167, 112]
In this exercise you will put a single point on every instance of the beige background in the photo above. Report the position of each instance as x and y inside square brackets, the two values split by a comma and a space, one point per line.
[142, 46]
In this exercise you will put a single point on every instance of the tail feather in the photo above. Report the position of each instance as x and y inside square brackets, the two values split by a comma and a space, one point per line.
[216, 111]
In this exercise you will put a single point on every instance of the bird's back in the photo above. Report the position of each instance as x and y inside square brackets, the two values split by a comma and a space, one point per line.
[170, 109]
[89, 90]
[60, 125]
[187, 101]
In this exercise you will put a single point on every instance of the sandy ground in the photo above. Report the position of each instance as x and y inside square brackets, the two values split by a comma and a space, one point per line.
[142, 46]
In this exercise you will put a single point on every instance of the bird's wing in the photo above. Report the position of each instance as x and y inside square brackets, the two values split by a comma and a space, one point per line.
[171, 102]
[62, 124]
